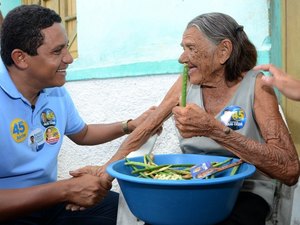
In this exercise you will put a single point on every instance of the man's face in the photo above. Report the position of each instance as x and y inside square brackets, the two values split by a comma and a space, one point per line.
[48, 68]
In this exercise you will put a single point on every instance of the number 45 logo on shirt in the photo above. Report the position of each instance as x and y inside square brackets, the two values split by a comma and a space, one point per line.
[18, 130]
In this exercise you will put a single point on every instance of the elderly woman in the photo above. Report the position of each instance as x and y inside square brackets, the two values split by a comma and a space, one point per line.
[229, 112]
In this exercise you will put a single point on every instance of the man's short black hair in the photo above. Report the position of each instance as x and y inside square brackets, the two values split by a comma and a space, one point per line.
[21, 29]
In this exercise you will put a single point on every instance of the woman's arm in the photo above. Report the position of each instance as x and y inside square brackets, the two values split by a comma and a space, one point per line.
[152, 123]
[277, 157]
[282, 159]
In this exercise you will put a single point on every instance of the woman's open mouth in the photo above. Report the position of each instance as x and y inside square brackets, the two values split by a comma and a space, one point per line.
[192, 69]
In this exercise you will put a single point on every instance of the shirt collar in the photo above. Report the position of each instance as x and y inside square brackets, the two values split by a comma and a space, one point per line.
[8, 85]
[6, 82]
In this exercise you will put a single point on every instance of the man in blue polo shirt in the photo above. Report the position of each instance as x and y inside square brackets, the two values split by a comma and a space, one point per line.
[36, 112]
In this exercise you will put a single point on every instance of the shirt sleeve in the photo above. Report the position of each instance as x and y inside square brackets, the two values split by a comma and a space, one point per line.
[74, 122]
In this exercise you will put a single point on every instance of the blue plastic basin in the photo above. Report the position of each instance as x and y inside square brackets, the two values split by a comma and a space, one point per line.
[180, 202]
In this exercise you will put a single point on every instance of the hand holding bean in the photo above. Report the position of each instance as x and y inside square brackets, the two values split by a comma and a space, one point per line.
[193, 121]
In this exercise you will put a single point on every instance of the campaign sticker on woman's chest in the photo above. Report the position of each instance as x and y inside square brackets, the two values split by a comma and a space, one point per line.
[233, 117]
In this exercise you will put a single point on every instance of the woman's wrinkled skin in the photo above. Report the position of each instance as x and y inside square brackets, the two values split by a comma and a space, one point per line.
[277, 157]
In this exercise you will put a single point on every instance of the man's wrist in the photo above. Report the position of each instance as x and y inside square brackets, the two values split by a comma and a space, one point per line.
[125, 126]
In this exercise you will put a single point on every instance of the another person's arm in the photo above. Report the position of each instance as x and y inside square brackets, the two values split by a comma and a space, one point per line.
[277, 157]
[85, 190]
[284, 82]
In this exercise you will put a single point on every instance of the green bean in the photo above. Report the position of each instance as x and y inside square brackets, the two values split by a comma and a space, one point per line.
[184, 85]
[184, 166]
[180, 172]
[133, 163]
[234, 170]
[159, 170]
[149, 168]
[149, 159]
[218, 164]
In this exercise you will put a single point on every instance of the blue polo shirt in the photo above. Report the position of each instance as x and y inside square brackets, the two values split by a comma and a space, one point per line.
[31, 137]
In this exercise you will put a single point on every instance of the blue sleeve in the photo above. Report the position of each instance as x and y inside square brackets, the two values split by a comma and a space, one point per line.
[74, 122]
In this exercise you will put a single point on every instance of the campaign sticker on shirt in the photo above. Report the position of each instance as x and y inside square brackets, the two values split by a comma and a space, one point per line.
[18, 130]
[36, 140]
[233, 117]
[48, 118]
[51, 135]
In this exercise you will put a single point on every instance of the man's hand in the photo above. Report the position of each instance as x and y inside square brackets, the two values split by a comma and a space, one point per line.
[93, 194]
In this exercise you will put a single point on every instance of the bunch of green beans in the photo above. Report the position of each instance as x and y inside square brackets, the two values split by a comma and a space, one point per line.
[149, 169]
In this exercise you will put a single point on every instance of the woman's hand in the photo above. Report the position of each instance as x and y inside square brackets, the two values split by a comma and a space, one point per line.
[139, 120]
[193, 121]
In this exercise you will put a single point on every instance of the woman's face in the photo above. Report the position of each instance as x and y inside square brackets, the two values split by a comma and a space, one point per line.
[200, 54]
[49, 133]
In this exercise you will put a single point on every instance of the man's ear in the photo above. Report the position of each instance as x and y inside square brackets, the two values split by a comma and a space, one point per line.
[19, 58]
[225, 50]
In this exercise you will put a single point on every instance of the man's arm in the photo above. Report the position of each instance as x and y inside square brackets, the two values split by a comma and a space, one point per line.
[94, 134]
[85, 190]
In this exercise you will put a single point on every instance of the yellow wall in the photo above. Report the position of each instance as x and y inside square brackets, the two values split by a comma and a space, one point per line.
[67, 10]
[291, 62]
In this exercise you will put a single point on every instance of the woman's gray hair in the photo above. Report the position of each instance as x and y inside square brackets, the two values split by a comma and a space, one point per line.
[217, 27]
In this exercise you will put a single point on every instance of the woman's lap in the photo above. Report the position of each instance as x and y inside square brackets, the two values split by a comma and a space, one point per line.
[249, 209]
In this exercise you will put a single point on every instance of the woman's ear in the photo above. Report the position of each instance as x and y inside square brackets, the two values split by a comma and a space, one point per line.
[19, 58]
[225, 49]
